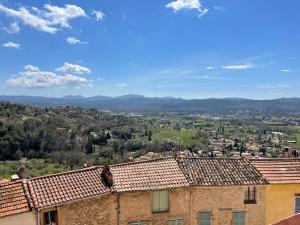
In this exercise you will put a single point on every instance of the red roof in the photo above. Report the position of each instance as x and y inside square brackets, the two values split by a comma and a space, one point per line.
[13, 198]
[148, 175]
[292, 220]
[219, 172]
[279, 171]
[58, 188]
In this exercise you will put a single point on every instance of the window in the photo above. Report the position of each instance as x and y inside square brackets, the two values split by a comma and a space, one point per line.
[50, 218]
[204, 218]
[176, 222]
[138, 223]
[160, 201]
[238, 218]
[297, 204]
[250, 195]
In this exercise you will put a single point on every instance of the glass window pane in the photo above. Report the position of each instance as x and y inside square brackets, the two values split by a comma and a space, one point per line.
[297, 205]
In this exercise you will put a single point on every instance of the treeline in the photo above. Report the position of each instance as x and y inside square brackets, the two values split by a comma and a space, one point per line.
[72, 135]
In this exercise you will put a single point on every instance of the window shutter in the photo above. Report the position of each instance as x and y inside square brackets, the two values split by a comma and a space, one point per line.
[163, 200]
[204, 218]
[238, 218]
[155, 201]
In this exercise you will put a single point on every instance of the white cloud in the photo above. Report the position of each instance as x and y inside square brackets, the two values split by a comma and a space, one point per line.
[188, 4]
[73, 41]
[211, 68]
[120, 85]
[272, 86]
[286, 70]
[48, 19]
[11, 44]
[13, 28]
[73, 68]
[98, 15]
[239, 67]
[33, 77]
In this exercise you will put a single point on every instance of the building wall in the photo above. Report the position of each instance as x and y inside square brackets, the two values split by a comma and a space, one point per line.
[220, 201]
[98, 210]
[137, 206]
[184, 203]
[27, 218]
[223, 201]
[280, 201]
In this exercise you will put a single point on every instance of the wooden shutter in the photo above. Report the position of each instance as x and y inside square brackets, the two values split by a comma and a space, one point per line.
[297, 205]
[204, 218]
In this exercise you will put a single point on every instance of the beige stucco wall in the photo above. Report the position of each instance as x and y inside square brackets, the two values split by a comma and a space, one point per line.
[27, 218]
[280, 201]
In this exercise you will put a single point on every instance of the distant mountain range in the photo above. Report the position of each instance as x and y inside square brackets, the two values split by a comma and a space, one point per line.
[141, 104]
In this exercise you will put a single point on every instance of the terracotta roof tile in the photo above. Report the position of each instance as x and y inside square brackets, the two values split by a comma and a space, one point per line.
[148, 175]
[58, 188]
[279, 171]
[13, 198]
[219, 172]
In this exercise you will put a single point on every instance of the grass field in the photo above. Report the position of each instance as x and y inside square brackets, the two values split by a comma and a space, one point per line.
[183, 137]
[297, 140]
[35, 167]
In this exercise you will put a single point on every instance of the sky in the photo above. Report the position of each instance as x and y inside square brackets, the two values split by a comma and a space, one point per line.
[179, 48]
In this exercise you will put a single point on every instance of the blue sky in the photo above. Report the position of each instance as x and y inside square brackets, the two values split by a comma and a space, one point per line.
[181, 48]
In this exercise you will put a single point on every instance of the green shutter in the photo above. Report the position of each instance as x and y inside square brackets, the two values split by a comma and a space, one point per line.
[204, 218]
[176, 222]
[238, 218]
[163, 201]
[155, 201]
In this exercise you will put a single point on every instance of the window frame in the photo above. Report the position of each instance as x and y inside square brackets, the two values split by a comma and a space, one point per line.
[176, 219]
[138, 223]
[160, 210]
[48, 215]
[297, 197]
[233, 221]
[250, 195]
[199, 217]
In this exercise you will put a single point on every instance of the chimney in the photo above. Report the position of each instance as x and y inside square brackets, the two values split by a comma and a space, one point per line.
[106, 176]
[14, 177]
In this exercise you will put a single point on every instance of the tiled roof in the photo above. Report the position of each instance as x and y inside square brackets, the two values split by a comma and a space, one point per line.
[279, 171]
[58, 188]
[148, 175]
[12, 198]
[219, 172]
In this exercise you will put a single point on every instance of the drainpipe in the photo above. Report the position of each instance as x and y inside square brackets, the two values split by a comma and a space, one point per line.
[37, 217]
[118, 208]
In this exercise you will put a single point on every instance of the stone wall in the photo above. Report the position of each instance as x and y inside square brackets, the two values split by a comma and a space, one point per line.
[94, 211]
[184, 203]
